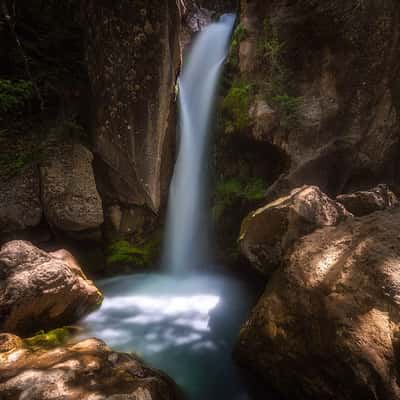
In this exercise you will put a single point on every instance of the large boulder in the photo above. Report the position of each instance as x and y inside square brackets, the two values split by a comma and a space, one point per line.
[367, 201]
[39, 289]
[327, 326]
[133, 57]
[87, 370]
[70, 198]
[267, 233]
[20, 206]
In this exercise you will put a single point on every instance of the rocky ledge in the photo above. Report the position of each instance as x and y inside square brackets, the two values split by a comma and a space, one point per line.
[87, 370]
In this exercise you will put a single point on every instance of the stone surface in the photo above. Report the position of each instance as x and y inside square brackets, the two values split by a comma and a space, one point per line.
[87, 370]
[327, 325]
[263, 120]
[341, 60]
[367, 201]
[267, 233]
[133, 56]
[20, 206]
[41, 290]
[70, 198]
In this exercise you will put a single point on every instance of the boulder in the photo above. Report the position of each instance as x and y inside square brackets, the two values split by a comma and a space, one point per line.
[70, 198]
[87, 370]
[366, 202]
[20, 206]
[270, 231]
[39, 289]
[327, 326]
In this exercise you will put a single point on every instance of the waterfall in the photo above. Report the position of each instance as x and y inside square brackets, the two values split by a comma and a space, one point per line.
[187, 228]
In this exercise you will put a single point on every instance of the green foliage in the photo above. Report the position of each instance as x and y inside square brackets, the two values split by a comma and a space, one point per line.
[123, 253]
[54, 338]
[277, 89]
[14, 94]
[239, 34]
[235, 107]
[231, 189]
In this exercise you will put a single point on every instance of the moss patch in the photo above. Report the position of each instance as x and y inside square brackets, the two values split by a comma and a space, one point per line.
[235, 107]
[122, 253]
[48, 340]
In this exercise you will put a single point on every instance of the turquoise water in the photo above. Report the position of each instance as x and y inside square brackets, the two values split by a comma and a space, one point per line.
[185, 326]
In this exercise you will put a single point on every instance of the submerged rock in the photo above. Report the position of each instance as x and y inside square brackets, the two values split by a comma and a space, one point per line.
[327, 326]
[269, 231]
[367, 201]
[40, 289]
[87, 370]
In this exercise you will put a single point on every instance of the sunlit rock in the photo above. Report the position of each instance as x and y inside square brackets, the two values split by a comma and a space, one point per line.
[327, 325]
[40, 289]
[367, 201]
[86, 370]
[270, 231]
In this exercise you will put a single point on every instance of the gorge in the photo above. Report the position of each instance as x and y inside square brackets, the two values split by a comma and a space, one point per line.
[199, 200]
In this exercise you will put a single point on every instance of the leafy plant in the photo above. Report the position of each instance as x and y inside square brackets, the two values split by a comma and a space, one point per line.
[14, 94]
[231, 189]
[235, 107]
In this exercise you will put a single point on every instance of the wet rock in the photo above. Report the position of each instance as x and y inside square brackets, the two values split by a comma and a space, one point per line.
[40, 289]
[70, 198]
[20, 206]
[327, 325]
[367, 201]
[87, 370]
[267, 233]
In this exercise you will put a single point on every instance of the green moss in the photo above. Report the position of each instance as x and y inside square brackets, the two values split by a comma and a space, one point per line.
[235, 107]
[13, 94]
[243, 187]
[54, 338]
[123, 253]
[239, 34]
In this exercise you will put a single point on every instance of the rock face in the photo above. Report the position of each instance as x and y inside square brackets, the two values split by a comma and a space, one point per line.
[366, 202]
[40, 289]
[87, 370]
[70, 198]
[327, 326]
[269, 232]
[329, 70]
[133, 57]
[20, 206]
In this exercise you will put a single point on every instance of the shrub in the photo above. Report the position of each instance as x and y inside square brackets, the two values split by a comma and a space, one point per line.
[235, 107]
[14, 94]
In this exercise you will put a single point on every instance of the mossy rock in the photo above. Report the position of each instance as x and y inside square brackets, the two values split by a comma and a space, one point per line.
[47, 340]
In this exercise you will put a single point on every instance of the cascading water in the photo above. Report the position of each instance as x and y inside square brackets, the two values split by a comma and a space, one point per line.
[187, 228]
[185, 324]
